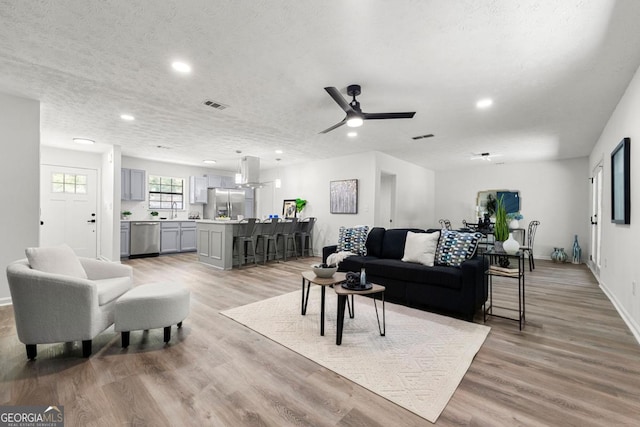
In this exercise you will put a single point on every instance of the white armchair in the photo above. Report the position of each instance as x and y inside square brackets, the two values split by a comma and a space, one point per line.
[52, 308]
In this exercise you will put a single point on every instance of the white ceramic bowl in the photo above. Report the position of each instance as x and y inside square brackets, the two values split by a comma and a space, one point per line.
[324, 272]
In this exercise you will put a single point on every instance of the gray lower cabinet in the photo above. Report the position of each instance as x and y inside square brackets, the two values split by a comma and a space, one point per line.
[124, 239]
[187, 236]
[177, 236]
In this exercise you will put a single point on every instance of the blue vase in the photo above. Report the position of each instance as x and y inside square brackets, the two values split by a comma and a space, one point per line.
[577, 251]
[558, 255]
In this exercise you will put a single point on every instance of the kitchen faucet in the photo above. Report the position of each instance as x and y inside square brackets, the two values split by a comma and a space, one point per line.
[174, 210]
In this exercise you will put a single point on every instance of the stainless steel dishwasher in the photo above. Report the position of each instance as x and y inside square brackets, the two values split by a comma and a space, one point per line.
[145, 239]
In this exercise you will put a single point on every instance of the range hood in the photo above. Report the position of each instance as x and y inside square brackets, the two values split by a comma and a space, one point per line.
[249, 172]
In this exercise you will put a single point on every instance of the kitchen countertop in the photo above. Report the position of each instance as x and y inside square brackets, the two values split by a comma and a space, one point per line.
[217, 221]
[157, 220]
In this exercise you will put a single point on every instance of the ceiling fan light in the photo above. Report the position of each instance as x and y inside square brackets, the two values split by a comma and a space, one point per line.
[354, 121]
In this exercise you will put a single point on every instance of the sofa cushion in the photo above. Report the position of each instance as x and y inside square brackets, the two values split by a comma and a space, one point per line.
[353, 239]
[111, 289]
[421, 247]
[393, 243]
[455, 247]
[374, 241]
[57, 260]
[445, 277]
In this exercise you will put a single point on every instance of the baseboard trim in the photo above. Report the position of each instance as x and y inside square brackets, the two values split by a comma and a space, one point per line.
[626, 317]
[5, 301]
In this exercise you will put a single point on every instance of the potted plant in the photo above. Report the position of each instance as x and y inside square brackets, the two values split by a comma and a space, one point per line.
[300, 204]
[154, 213]
[501, 227]
[125, 215]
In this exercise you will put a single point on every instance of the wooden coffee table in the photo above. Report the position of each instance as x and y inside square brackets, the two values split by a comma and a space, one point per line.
[309, 277]
[344, 293]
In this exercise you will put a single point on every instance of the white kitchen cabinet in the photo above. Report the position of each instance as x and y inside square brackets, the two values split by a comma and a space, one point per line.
[214, 181]
[133, 184]
[198, 189]
[221, 181]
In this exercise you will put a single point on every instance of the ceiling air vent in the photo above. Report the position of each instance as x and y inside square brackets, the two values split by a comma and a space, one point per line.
[429, 135]
[214, 104]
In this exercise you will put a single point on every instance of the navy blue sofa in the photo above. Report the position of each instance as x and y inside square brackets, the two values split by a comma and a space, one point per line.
[458, 291]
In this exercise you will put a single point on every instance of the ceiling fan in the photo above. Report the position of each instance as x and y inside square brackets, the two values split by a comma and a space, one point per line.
[355, 116]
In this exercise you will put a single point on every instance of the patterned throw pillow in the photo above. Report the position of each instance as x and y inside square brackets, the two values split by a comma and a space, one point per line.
[455, 247]
[353, 239]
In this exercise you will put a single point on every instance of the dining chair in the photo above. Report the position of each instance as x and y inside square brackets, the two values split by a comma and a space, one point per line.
[528, 248]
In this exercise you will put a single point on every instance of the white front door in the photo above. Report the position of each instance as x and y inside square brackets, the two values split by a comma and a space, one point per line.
[68, 208]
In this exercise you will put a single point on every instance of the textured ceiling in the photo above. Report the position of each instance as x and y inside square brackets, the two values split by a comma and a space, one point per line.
[555, 69]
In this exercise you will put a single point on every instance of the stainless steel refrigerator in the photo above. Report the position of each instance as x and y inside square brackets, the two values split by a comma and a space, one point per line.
[224, 203]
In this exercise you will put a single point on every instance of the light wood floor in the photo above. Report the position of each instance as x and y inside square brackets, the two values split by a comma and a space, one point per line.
[574, 364]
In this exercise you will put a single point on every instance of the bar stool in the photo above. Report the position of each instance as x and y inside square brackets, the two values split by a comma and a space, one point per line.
[243, 238]
[288, 234]
[305, 227]
[269, 233]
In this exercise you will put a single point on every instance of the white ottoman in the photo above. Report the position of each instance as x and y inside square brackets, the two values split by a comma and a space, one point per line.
[156, 305]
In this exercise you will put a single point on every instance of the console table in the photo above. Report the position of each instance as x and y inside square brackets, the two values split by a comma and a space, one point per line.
[514, 272]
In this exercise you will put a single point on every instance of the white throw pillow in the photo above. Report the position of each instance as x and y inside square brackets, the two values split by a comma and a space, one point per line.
[421, 247]
[57, 260]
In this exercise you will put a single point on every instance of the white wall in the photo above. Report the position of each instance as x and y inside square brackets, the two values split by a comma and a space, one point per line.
[415, 192]
[20, 174]
[310, 181]
[110, 205]
[140, 210]
[553, 192]
[621, 243]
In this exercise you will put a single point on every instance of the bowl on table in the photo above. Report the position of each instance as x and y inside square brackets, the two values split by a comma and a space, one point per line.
[324, 271]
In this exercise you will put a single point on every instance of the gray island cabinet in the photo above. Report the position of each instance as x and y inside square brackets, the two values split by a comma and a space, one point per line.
[215, 242]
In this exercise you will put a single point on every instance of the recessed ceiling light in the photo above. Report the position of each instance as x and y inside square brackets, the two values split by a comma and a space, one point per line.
[209, 161]
[127, 117]
[352, 134]
[181, 67]
[279, 151]
[484, 103]
[83, 141]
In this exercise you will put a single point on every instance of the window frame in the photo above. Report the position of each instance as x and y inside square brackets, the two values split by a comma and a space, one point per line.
[158, 199]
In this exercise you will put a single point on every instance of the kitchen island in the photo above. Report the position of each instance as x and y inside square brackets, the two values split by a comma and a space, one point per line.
[215, 242]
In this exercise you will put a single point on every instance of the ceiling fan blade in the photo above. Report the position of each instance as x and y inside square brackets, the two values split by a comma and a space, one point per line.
[335, 94]
[382, 116]
[337, 125]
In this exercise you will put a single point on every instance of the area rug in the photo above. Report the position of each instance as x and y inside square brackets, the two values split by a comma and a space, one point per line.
[418, 364]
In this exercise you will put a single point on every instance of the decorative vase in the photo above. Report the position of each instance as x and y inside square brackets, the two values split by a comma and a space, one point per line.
[514, 224]
[511, 245]
[497, 246]
[558, 255]
[577, 251]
